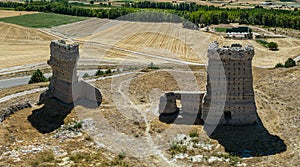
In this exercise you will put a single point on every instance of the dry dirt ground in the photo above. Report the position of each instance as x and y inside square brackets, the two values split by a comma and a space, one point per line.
[10, 13]
[127, 121]
[21, 46]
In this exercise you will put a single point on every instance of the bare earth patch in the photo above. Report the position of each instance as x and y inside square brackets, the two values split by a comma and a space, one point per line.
[10, 13]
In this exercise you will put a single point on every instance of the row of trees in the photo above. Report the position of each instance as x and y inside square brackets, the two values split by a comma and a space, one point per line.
[197, 14]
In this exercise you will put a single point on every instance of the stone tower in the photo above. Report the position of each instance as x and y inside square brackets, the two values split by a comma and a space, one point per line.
[229, 84]
[63, 61]
[64, 84]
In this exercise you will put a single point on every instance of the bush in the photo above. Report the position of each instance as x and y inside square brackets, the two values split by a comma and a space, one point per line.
[99, 73]
[273, 46]
[152, 66]
[85, 75]
[122, 155]
[19, 8]
[194, 134]
[108, 71]
[279, 65]
[176, 148]
[37, 76]
[289, 63]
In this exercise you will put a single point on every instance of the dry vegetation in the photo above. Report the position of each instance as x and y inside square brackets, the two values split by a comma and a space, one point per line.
[28, 46]
[20, 45]
[10, 13]
[163, 40]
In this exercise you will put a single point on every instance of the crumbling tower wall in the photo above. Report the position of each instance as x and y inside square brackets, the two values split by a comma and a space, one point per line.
[229, 80]
[63, 61]
[64, 84]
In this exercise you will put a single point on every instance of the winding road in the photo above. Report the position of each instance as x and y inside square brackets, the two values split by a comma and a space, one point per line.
[7, 83]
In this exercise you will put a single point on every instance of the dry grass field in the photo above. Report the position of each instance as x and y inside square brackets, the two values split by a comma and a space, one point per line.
[10, 13]
[163, 40]
[20, 45]
[157, 42]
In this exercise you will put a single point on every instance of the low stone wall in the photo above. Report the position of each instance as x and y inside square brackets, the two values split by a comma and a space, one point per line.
[12, 109]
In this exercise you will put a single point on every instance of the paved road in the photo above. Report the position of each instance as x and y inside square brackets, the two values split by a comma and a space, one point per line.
[296, 59]
[6, 83]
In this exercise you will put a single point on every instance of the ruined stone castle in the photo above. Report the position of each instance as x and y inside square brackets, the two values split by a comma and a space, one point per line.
[64, 84]
[229, 98]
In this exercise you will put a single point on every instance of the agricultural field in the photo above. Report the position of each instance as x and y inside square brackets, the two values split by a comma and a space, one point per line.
[160, 41]
[11, 13]
[41, 20]
[164, 40]
[21, 45]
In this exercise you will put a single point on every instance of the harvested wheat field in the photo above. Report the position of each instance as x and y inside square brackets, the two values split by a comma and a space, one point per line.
[10, 13]
[122, 40]
[21, 46]
[159, 39]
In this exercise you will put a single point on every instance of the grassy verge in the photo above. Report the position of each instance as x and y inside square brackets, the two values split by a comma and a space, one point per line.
[42, 20]
[4, 8]
[219, 29]
[262, 42]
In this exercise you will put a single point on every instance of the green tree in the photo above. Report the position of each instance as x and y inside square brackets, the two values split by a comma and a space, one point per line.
[108, 71]
[289, 63]
[273, 46]
[99, 73]
[37, 76]
[92, 2]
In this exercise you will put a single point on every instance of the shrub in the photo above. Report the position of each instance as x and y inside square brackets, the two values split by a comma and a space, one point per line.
[289, 63]
[194, 134]
[176, 148]
[152, 66]
[99, 73]
[19, 8]
[108, 71]
[273, 46]
[37, 76]
[85, 75]
[122, 155]
[279, 65]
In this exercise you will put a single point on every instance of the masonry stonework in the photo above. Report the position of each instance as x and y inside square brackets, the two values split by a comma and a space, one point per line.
[64, 84]
[229, 80]
[229, 98]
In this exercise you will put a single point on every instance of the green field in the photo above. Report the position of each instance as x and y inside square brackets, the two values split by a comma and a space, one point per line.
[42, 20]
[262, 42]
[219, 29]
